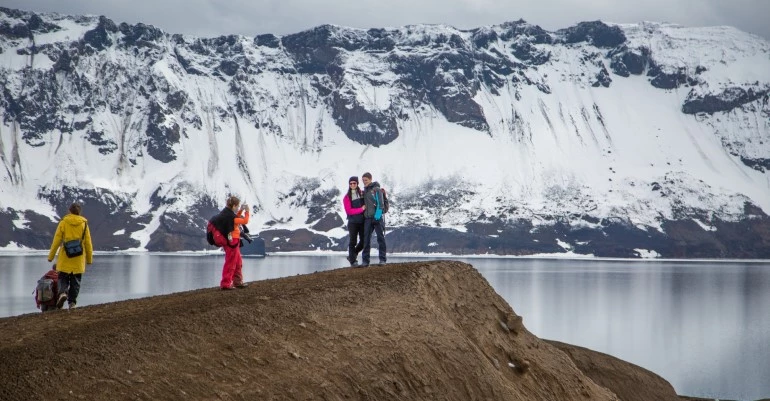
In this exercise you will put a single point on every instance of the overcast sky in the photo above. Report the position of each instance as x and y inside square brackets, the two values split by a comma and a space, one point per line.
[280, 17]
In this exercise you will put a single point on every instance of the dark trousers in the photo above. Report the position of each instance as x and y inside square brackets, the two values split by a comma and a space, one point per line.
[356, 244]
[69, 283]
[372, 225]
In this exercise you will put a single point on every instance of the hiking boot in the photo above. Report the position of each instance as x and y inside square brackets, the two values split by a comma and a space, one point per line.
[241, 285]
[226, 288]
[354, 263]
[62, 300]
[72, 305]
[364, 264]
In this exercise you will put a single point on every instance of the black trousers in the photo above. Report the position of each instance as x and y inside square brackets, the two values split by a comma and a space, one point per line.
[356, 244]
[69, 283]
[378, 226]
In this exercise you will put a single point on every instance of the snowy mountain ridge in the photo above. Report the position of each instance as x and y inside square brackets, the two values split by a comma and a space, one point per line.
[605, 139]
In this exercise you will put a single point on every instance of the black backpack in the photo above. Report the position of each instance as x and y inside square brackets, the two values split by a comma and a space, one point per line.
[214, 234]
[385, 204]
[214, 237]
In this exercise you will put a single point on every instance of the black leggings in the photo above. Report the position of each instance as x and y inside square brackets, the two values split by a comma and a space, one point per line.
[356, 232]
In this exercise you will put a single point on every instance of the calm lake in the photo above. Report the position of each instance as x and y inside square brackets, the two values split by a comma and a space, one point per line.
[704, 326]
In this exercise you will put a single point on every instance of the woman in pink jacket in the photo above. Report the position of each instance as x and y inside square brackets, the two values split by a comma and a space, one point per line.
[354, 208]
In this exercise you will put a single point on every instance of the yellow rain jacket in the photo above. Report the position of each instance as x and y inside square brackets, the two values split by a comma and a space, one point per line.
[71, 227]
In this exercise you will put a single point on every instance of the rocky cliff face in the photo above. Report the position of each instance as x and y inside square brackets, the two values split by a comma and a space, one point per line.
[613, 140]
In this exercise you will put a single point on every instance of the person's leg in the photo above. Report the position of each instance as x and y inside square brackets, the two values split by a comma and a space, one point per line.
[360, 235]
[72, 295]
[64, 286]
[353, 233]
[238, 274]
[228, 269]
[368, 227]
[379, 227]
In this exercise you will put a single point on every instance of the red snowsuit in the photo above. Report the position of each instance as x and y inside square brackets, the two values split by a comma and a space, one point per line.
[232, 270]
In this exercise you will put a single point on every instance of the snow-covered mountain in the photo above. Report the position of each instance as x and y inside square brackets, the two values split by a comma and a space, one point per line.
[614, 140]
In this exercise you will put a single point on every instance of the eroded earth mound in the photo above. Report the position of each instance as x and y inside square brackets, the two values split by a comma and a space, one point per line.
[410, 331]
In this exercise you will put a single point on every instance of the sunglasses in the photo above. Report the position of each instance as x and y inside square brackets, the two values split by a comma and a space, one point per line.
[353, 183]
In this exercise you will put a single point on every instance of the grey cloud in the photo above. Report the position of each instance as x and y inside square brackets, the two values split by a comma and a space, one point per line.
[252, 17]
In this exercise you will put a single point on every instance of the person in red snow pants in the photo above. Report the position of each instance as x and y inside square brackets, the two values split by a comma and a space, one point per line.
[232, 271]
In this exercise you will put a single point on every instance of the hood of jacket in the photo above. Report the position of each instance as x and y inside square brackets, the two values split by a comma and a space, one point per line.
[372, 185]
[73, 224]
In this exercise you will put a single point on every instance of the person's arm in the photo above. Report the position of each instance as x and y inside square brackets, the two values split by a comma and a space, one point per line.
[88, 246]
[242, 218]
[57, 238]
[349, 209]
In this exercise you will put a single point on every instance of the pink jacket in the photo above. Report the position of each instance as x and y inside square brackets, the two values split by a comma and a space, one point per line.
[349, 209]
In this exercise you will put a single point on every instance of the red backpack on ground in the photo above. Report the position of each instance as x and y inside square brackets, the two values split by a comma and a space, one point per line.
[47, 289]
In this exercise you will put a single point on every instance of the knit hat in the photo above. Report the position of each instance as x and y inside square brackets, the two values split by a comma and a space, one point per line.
[353, 178]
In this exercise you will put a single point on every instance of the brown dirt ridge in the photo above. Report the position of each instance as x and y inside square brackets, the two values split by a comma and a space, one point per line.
[408, 331]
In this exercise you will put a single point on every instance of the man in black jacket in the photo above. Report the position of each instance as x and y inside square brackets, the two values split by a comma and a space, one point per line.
[373, 220]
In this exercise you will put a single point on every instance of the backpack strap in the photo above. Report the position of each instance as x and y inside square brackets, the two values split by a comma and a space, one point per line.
[378, 208]
[83, 237]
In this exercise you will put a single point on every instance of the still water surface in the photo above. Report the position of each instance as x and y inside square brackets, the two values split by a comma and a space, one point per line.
[703, 326]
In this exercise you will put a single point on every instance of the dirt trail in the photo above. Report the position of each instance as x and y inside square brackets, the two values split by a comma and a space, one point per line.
[411, 331]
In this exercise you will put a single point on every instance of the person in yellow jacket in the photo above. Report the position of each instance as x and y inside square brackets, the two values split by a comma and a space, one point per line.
[73, 226]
